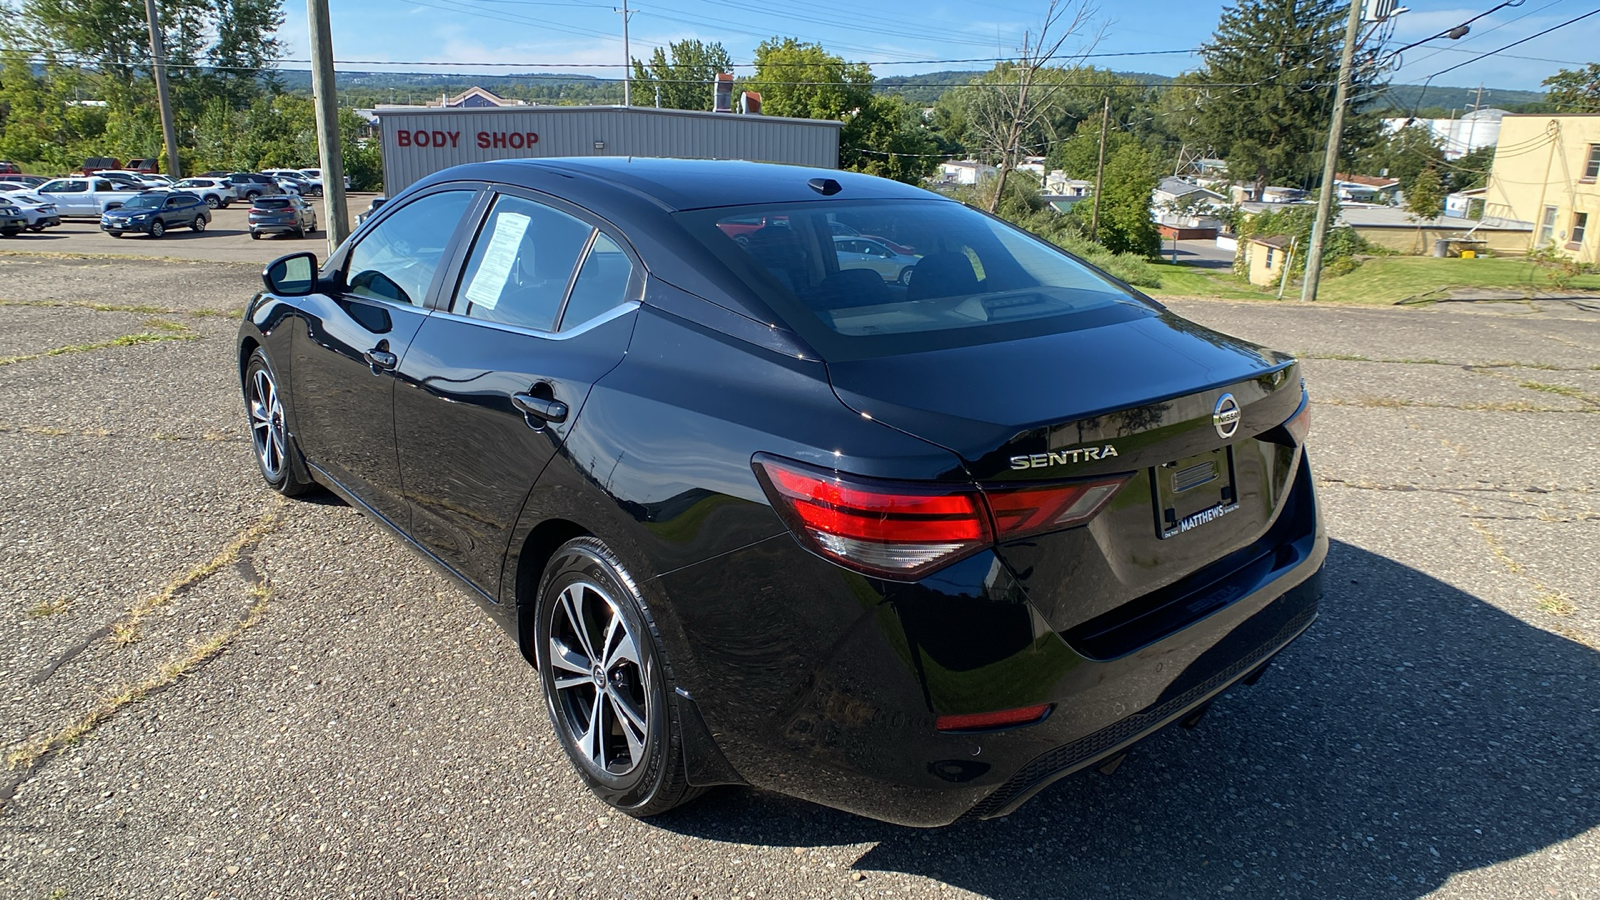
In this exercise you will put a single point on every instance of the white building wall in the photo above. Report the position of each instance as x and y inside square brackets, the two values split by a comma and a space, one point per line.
[420, 141]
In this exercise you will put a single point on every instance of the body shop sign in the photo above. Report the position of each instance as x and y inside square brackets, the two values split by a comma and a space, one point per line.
[485, 140]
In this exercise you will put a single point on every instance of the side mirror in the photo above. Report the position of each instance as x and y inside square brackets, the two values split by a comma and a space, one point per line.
[294, 275]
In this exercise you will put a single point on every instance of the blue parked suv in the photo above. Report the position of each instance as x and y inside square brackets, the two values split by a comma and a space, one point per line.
[154, 212]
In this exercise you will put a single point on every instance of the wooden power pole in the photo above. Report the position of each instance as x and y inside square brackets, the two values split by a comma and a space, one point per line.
[1330, 160]
[158, 60]
[1100, 169]
[327, 103]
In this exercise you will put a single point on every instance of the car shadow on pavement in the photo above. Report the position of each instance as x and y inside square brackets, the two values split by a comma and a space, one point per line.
[1415, 732]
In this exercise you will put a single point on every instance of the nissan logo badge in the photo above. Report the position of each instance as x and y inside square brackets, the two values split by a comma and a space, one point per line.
[1226, 416]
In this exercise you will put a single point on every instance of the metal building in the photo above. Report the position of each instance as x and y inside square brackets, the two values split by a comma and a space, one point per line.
[418, 141]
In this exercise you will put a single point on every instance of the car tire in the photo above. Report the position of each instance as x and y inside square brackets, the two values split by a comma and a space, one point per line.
[274, 449]
[36, 229]
[300, 232]
[905, 275]
[255, 235]
[613, 716]
[251, 195]
[157, 229]
[10, 232]
[115, 234]
[199, 223]
[213, 203]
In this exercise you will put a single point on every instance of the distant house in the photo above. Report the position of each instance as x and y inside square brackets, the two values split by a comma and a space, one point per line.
[1034, 164]
[1060, 185]
[966, 171]
[1200, 221]
[475, 98]
[1366, 188]
[1276, 194]
[1266, 257]
[1466, 204]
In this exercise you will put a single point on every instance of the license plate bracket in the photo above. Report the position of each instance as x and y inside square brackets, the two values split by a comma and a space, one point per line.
[1192, 491]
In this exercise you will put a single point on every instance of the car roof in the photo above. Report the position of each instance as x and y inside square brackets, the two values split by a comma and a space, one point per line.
[681, 184]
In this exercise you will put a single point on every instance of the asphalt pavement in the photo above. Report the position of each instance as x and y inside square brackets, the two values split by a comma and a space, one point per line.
[226, 239]
[214, 693]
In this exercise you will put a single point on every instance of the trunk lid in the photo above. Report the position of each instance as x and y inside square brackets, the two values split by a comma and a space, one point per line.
[1142, 397]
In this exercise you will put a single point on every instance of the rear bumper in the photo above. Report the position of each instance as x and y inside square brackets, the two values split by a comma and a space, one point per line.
[275, 227]
[825, 685]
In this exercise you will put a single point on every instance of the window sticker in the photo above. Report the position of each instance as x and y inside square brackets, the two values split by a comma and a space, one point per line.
[495, 269]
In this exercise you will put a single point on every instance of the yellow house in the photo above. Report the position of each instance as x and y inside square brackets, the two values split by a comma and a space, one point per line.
[1545, 171]
[1266, 257]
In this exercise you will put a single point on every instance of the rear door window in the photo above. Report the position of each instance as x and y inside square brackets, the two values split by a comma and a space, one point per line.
[397, 259]
[522, 264]
[602, 283]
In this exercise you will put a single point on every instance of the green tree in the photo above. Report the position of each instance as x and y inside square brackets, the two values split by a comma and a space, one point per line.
[684, 81]
[889, 138]
[803, 80]
[1265, 91]
[1402, 155]
[1125, 222]
[1079, 155]
[1472, 169]
[1574, 90]
[1426, 196]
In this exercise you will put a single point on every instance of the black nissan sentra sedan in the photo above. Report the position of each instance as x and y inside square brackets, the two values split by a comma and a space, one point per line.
[913, 550]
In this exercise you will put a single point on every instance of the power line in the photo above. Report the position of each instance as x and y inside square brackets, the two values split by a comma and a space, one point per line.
[1530, 37]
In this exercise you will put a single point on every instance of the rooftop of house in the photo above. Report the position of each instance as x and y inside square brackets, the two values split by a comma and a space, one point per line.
[1369, 180]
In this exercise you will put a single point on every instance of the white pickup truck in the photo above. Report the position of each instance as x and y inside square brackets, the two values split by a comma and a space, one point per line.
[87, 196]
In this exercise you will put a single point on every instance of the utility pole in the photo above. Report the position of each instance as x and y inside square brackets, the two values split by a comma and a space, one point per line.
[158, 59]
[1473, 125]
[1100, 168]
[326, 95]
[1330, 162]
[627, 58]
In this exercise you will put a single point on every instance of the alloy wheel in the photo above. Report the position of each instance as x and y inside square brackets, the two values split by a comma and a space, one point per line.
[601, 683]
[266, 424]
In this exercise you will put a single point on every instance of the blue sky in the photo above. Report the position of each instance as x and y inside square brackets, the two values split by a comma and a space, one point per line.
[898, 36]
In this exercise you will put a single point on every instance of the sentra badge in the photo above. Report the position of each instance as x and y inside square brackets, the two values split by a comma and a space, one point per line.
[1063, 457]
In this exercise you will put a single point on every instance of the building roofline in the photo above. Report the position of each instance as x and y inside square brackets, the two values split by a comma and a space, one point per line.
[408, 111]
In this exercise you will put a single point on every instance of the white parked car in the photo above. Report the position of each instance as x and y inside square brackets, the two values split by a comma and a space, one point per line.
[40, 212]
[90, 196]
[216, 192]
[315, 177]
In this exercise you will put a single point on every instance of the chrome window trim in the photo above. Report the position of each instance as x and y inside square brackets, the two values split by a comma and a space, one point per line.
[616, 312]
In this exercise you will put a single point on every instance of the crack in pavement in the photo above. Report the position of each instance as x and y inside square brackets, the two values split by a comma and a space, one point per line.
[26, 758]
[52, 431]
[127, 624]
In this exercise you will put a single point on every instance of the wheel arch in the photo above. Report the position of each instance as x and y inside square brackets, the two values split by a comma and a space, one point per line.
[532, 558]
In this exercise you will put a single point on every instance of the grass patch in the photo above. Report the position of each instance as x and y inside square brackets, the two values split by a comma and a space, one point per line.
[146, 309]
[46, 608]
[1556, 603]
[165, 331]
[1378, 281]
[1560, 390]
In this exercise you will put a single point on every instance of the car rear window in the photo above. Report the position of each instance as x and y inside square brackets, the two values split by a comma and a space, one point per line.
[877, 278]
[271, 203]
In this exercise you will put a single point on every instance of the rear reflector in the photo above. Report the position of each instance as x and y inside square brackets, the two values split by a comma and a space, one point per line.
[1027, 511]
[903, 530]
[978, 721]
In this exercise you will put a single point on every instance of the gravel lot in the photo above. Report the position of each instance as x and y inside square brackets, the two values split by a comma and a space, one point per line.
[214, 693]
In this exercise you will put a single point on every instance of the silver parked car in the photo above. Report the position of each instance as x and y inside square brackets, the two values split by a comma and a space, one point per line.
[866, 253]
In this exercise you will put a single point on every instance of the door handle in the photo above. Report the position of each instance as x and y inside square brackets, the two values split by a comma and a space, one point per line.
[381, 360]
[546, 409]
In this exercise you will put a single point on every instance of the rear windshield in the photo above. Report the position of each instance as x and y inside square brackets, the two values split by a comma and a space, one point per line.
[271, 203]
[877, 278]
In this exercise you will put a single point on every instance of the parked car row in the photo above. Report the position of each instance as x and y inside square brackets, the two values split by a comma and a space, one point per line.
[153, 210]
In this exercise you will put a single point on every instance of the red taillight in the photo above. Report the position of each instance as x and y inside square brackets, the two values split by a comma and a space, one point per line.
[903, 530]
[878, 527]
[1027, 715]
